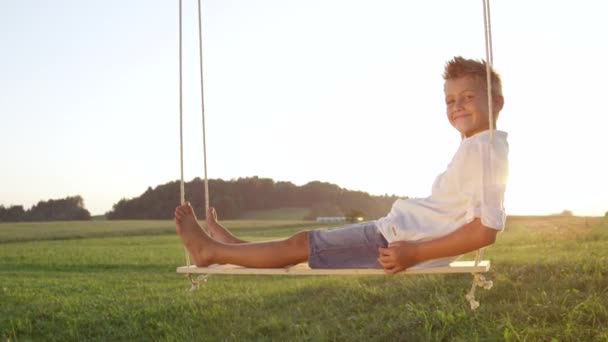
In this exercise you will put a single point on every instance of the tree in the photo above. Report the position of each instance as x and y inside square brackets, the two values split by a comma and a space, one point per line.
[66, 209]
[13, 213]
[354, 215]
[234, 197]
[69, 208]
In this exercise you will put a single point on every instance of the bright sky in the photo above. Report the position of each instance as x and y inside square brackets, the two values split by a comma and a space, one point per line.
[342, 91]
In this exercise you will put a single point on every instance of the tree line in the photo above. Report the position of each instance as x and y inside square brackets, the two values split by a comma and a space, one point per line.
[235, 197]
[66, 209]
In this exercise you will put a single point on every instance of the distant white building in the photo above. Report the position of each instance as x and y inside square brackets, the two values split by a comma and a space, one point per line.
[338, 219]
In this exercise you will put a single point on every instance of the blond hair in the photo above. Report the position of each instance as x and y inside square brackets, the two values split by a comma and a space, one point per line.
[460, 67]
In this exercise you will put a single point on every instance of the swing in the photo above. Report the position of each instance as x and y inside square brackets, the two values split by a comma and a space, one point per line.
[199, 274]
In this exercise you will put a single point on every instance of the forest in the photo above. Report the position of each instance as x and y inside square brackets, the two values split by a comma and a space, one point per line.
[235, 197]
[65, 209]
[231, 199]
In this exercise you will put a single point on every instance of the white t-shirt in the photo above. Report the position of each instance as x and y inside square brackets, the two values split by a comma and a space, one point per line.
[473, 185]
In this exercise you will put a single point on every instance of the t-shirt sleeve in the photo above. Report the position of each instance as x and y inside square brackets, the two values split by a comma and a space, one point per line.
[485, 180]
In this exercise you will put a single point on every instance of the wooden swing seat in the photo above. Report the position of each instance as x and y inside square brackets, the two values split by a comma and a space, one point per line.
[303, 269]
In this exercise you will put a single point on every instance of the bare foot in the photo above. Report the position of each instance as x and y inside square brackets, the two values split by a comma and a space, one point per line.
[217, 231]
[193, 236]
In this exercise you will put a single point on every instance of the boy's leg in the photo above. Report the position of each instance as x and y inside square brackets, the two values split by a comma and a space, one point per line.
[217, 231]
[206, 251]
[350, 246]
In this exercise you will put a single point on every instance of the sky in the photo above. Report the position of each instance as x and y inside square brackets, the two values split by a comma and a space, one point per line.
[342, 91]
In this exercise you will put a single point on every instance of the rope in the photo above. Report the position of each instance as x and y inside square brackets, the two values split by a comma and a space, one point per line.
[478, 279]
[489, 61]
[181, 110]
[195, 282]
[182, 192]
[200, 53]
[181, 124]
[478, 256]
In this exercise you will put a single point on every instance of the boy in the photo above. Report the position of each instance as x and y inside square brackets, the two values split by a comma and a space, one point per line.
[463, 213]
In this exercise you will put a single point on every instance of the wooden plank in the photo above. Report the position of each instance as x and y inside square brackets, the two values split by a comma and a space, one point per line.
[303, 269]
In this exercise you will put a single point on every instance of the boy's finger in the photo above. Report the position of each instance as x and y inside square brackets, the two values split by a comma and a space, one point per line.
[387, 263]
[385, 266]
[395, 269]
[384, 258]
[390, 266]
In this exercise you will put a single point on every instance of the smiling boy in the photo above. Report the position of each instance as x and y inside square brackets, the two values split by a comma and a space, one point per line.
[463, 213]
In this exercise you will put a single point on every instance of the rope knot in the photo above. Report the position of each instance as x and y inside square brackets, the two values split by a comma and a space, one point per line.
[481, 281]
[196, 281]
[478, 281]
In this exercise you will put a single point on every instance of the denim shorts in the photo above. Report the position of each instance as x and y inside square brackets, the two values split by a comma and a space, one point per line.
[352, 246]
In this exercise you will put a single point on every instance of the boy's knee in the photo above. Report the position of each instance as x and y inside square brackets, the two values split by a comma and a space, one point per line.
[299, 240]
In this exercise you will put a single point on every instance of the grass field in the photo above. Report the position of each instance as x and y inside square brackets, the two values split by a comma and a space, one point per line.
[276, 214]
[109, 281]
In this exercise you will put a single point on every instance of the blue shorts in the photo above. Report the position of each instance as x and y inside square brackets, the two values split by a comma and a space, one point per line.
[353, 246]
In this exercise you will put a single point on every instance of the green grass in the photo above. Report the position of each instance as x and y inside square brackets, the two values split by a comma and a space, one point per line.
[36, 231]
[117, 281]
[276, 214]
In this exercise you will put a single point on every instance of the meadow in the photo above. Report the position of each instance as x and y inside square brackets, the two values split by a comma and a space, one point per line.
[116, 281]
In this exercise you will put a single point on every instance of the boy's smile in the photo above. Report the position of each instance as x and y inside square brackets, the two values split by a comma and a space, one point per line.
[467, 105]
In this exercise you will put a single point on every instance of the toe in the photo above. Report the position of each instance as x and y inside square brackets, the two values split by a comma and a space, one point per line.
[212, 213]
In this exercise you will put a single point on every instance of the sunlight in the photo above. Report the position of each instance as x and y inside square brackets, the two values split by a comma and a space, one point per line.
[536, 192]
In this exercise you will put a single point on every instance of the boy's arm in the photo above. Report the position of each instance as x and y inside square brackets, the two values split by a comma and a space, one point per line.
[401, 254]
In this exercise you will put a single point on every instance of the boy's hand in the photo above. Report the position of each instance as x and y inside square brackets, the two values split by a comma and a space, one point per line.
[397, 257]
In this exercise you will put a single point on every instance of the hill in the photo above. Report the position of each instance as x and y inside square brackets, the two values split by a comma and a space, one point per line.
[238, 198]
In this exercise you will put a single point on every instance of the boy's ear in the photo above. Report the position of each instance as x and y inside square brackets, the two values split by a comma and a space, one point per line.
[499, 102]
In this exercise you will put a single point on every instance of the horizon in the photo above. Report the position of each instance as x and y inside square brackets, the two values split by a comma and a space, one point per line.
[564, 212]
[346, 92]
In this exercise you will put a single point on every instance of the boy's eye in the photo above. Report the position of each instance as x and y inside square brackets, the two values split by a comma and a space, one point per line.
[449, 102]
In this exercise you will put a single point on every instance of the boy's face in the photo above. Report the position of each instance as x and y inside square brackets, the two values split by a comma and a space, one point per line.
[466, 102]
